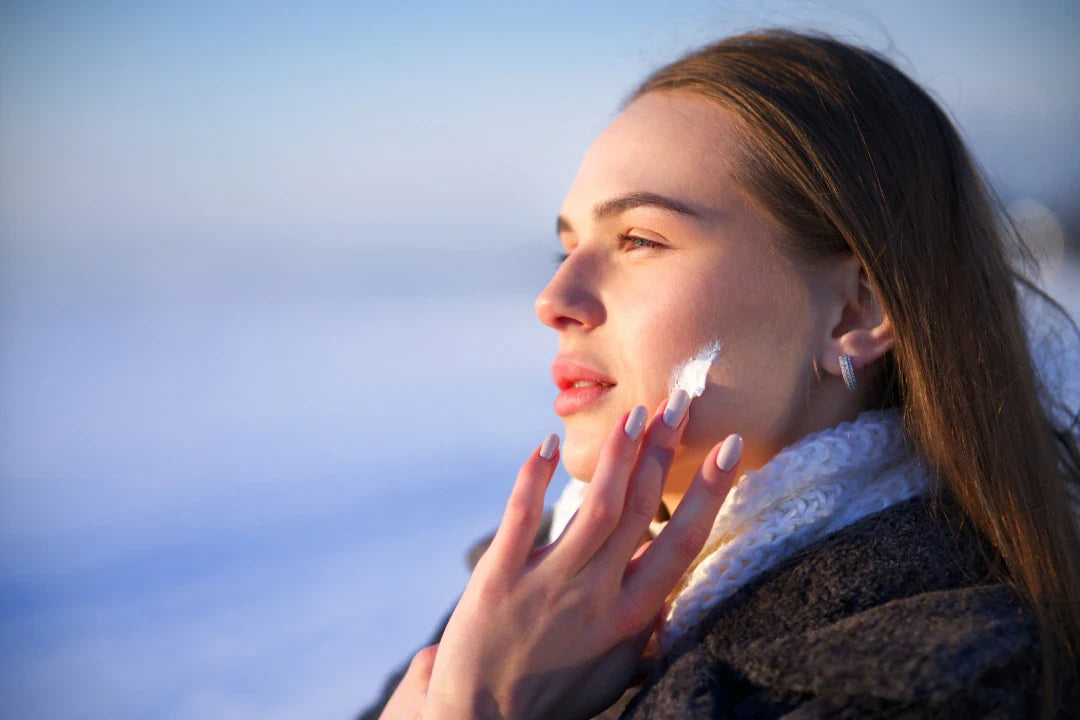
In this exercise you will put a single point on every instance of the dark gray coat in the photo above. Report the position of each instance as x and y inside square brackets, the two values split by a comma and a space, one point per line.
[893, 616]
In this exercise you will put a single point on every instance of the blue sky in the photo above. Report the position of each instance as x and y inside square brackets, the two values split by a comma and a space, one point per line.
[255, 119]
[270, 360]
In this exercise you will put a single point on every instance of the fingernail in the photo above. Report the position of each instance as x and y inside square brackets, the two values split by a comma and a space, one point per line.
[729, 452]
[636, 422]
[676, 408]
[551, 444]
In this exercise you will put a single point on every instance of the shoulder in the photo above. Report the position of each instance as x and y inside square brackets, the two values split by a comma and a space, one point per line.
[896, 613]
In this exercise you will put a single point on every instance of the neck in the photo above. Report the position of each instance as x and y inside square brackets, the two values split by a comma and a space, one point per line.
[757, 454]
[685, 468]
[856, 446]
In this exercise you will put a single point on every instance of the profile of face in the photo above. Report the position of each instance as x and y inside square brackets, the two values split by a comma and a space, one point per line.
[648, 282]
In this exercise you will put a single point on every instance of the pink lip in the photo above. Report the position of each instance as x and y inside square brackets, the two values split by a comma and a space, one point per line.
[565, 371]
[573, 399]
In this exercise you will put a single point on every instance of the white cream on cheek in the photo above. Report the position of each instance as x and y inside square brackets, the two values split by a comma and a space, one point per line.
[692, 375]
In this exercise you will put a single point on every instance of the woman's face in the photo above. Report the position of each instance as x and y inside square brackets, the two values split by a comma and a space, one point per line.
[634, 311]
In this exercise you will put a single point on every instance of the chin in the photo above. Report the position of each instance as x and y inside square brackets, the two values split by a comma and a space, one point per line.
[579, 456]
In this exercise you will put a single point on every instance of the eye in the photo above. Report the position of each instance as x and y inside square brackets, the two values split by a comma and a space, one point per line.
[631, 239]
[560, 258]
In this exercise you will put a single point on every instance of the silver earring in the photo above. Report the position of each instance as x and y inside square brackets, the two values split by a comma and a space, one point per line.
[848, 371]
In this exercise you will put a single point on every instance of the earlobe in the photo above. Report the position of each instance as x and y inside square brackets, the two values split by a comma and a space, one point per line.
[863, 345]
[868, 335]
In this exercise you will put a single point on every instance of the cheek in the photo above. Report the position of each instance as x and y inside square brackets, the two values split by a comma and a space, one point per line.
[672, 327]
[760, 379]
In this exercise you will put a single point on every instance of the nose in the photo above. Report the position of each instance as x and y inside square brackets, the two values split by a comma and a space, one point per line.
[570, 299]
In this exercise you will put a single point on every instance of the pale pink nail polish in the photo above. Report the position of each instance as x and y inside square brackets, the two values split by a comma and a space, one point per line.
[635, 424]
[676, 408]
[551, 444]
[729, 453]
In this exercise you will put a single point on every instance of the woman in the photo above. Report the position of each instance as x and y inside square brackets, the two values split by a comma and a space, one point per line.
[870, 510]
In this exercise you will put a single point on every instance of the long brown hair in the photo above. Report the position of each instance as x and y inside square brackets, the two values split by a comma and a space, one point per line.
[849, 155]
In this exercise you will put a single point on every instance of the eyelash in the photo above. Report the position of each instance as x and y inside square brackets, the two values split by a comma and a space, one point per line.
[561, 257]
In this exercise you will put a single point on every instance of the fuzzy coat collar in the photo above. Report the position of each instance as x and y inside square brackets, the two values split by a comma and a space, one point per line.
[821, 483]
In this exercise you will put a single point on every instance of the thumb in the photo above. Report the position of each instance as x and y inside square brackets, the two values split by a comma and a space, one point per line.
[418, 713]
[419, 672]
[650, 657]
[408, 697]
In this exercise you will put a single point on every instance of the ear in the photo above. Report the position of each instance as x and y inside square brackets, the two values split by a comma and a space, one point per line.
[856, 324]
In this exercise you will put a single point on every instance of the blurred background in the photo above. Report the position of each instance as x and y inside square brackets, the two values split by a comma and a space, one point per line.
[268, 356]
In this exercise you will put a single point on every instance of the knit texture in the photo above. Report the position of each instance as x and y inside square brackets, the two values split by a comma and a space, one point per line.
[810, 489]
[897, 615]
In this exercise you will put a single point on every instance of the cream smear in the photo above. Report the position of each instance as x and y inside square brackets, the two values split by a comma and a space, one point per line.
[692, 375]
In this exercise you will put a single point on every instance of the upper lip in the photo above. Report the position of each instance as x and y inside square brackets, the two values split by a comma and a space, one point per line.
[566, 371]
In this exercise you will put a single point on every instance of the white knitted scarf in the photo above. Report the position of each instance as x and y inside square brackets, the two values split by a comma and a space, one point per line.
[813, 487]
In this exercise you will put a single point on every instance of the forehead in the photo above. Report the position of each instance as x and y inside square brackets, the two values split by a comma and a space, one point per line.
[674, 143]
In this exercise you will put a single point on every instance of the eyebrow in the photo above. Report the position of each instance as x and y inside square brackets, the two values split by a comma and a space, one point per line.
[622, 203]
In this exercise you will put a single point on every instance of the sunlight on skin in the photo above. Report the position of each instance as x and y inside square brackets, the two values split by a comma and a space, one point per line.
[637, 310]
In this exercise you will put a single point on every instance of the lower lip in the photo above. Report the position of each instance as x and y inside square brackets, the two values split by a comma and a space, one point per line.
[573, 399]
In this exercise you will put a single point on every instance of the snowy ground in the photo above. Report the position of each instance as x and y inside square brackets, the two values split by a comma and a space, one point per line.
[246, 489]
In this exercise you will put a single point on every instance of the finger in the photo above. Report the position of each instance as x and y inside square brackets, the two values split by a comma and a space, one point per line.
[646, 486]
[650, 657]
[418, 713]
[603, 502]
[650, 576]
[409, 694]
[514, 538]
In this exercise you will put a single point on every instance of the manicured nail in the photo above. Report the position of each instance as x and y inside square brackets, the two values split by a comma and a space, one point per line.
[636, 422]
[551, 444]
[729, 452]
[676, 408]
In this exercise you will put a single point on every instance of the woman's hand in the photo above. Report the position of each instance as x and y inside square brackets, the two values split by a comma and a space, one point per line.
[558, 631]
[408, 697]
